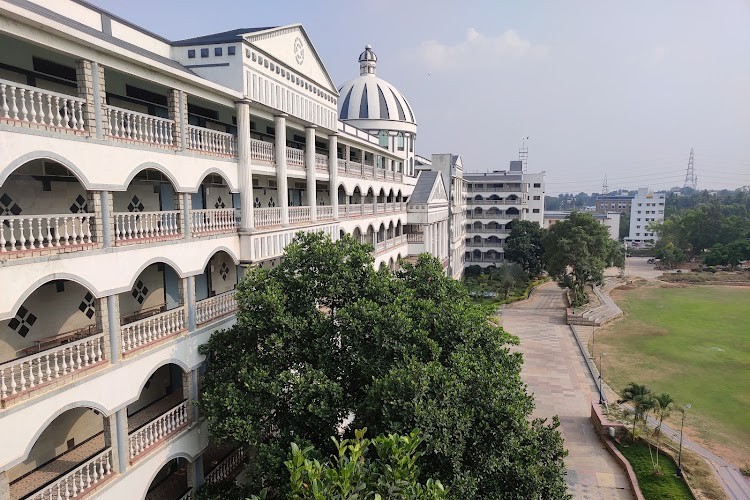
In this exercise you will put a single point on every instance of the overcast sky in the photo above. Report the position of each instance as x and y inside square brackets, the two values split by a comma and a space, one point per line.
[623, 88]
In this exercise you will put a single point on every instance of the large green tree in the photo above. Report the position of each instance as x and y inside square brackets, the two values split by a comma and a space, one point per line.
[576, 252]
[324, 339]
[524, 246]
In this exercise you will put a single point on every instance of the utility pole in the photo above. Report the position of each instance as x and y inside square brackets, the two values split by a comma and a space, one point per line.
[605, 188]
[691, 180]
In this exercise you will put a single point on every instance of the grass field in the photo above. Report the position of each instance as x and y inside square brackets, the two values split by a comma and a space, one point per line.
[693, 343]
[664, 487]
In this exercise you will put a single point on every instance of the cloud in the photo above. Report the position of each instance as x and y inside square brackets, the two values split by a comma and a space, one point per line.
[477, 49]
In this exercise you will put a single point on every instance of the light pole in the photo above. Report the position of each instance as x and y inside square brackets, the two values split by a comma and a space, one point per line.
[593, 329]
[679, 454]
[602, 399]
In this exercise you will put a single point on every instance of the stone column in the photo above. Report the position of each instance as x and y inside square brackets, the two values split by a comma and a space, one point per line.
[245, 165]
[190, 392]
[121, 433]
[187, 201]
[333, 173]
[312, 188]
[190, 301]
[177, 108]
[104, 224]
[4, 486]
[90, 82]
[113, 327]
[281, 180]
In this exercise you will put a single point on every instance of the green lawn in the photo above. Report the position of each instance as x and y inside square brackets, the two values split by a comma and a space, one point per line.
[693, 343]
[664, 487]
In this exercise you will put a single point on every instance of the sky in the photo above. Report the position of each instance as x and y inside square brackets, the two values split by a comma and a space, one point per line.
[622, 89]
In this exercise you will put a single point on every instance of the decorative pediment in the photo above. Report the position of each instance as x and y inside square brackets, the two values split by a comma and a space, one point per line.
[291, 46]
[438, 194]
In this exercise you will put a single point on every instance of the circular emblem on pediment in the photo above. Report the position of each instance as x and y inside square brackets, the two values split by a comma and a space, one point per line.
[299, 50]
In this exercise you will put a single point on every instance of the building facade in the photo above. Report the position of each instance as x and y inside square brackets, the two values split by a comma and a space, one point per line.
[646, 208]
[613, 203]
[494, 200]
[610, 220]
[139, 177]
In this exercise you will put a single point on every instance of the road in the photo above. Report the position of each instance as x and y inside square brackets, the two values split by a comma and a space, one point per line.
[555, 372]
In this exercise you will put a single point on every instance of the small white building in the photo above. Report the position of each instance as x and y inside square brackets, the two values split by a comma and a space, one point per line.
[611, 220]
[646, 208]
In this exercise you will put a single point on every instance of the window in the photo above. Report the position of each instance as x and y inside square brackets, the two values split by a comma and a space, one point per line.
[204, 52]
[230, 50]
[536, 211]
[217, 51]
[537, 184]
[537, 197]
[400, 142]
[191, 54]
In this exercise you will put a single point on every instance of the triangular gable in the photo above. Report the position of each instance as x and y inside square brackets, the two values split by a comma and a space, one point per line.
[291, 45]
[437, 195]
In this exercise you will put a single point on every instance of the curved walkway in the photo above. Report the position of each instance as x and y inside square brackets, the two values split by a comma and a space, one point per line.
[556, 374]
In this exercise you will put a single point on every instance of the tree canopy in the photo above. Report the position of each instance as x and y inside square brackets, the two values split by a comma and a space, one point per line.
[524, 246]
[576, 252]
[324, 343]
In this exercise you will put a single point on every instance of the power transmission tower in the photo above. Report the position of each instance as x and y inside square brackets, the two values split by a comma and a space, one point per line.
[691, 180]
[605, 188]
[523, 152]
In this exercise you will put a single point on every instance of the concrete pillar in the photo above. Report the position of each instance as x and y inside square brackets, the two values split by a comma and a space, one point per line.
[333, 173]
[190, 301]
[281, 180]
[105, 214]
[186, 207]
[90, 82]
[121, 433]
[244, 158]
[195, 473]
[177, 109]
[4, 486]
[113, 327]
[312, 188]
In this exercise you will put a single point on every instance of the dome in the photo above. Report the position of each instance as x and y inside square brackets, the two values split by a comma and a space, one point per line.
[371, 98]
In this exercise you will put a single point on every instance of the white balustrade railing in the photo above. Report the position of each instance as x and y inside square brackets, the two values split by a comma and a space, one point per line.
[267, 217]
[321, 162]
[188, 495]
[213, 220]
[215, 307]
[380, 247]
[24, 374]
[299, 214]
[262, 151]
[35, 106]
[135, 225]
[161, 427]
[148, 330]
[295, 157]
[368, 209]
[324, 212]
[211, 141]
[381, 207]
[415, 237]
[228, 465]
[342, 166]
[131, 125]
[27, 232]
[75, 483]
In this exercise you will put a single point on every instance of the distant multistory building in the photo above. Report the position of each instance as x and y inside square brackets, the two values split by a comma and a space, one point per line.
[646, 208]
[494, 201]
[613, 203]
[611, 220]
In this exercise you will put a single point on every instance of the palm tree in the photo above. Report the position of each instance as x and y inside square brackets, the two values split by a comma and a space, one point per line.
[642, 399]
[663, 406]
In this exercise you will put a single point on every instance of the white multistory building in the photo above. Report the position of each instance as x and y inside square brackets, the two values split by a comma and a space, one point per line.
[646, 208]
[494, 200]
[139, 177]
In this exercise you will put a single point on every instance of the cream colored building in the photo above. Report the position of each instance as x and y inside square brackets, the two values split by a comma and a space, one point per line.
[138, 178]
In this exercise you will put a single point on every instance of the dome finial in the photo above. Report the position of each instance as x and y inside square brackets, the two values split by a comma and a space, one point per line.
[367, 61]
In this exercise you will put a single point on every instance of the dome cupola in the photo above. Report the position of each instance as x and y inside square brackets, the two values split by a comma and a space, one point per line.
[367, 61]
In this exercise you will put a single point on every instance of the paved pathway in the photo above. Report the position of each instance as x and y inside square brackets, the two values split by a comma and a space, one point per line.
[555, 372]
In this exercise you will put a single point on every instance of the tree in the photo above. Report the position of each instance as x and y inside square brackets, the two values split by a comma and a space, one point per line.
[730, 254]
[669, 255]
[323, 337]
[642, 400]
[507, 277]
[576, 251]
[663, 404]
[524, 246]
[624, 229]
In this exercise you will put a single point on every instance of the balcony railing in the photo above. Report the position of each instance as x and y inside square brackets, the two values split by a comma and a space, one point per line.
[138, 225]
[227, 466]
[211, 141]
[160, 428]
[133, 126]
[505, 189]
[488, 230]
[33, 106]
[29, 232]
[262, 151]
[213, 220]
[472, 201]
[146, 331]
[24, 374]
[496, 215]
[356, 169]
[299, 214]
[321, 162]
[324, 212]
[415, 237]
[215, 307]
[81, 479]
[486, 244]
[188, 495]
[295, 158]
[265, 217]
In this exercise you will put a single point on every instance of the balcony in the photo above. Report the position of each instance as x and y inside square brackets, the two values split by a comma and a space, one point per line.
[211, 142]
[215, 307]
[24, 233]
[415, 237]
[133, 127]
[485, 244]
[152, 329]
[141, 227]
[214, 221]
[472, 201]
[493, 216]
[155, 423]
[517, 188]
[364, 171]
[369, 209]
[32, 107]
